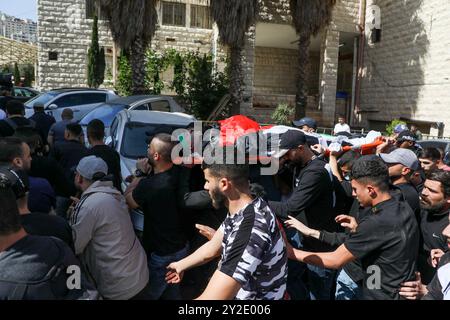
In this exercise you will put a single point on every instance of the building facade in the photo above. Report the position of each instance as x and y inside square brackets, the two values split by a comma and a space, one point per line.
[406, 74]
[18, 29]
[269, 58]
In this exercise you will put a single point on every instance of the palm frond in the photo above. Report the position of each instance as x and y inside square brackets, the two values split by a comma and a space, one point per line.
[234, 18]
[130, 20]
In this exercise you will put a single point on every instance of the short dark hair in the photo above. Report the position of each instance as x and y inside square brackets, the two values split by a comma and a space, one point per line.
[165, 149]
[74, 129]
[9, 213]
[349, 158]
[371, 170]
[444, 178]
[31, 137]
[430, 153]
[67, 114]
[96, 129]
[14, 107]
[237, 173]
[10, 148]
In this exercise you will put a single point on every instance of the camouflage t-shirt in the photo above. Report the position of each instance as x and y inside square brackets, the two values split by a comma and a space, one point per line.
[254, 253]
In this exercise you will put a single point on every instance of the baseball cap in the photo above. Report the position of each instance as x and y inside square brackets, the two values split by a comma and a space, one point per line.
[406, 136]
[92, 167]
[400, 128]
[291, 139]
[402, 156]
[306, 122]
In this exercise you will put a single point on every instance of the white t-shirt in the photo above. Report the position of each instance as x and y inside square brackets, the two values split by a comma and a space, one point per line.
[341, 128]
[2, 114]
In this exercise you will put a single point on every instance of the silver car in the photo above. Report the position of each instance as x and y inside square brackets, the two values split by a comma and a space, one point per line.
[130, 134]
[81, 101]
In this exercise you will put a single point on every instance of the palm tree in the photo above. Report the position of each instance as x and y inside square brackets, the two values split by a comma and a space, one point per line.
[133, 25]
[308, 17]
[234, 18]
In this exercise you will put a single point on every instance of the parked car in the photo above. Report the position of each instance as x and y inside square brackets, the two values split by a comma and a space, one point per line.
[440, 144]
[130, 134]
[24, 93]
[80, 100]
[106, 112]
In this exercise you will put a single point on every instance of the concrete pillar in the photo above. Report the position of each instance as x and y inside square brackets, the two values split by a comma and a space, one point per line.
[329, 61]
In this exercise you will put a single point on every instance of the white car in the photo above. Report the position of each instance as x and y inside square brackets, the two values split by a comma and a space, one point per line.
[107, 111]
[81, 101]
[130, 133]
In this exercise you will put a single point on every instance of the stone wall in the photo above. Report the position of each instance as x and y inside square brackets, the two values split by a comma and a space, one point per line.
[63, 28]
[407, 74]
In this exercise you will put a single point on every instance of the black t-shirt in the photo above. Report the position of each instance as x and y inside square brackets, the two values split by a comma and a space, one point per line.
[432, 226]
[112, 159]
[50, 169]
[311, 202]
[68, 153]
[411, 197]
[157, 195]
[41, 224]
[386, 241]
[6, 130]
[43, 123]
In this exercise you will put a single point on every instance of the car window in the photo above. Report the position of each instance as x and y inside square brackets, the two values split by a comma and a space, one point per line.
[27, 93]
[18, 92]
[68, 101]
[143, 107]
[137, 135]
[78, 99]
[42, 98]
[162, 105]
[93, 97]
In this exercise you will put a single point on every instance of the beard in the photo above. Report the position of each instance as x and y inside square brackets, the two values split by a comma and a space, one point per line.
[218, 198]
[433, 209]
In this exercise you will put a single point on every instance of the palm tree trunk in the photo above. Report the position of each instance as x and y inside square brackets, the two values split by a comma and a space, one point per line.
[236, 79]
[137, 61]
[301, 98]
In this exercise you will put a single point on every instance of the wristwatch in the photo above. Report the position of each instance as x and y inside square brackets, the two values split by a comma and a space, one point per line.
[138, 173]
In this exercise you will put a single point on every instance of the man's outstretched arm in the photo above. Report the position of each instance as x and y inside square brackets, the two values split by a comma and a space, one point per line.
[330, 260]
[220, 287]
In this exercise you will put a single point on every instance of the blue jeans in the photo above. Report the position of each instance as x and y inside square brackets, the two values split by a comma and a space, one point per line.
[321, 282]
[346, 288]
[308, 282]
[159, 288]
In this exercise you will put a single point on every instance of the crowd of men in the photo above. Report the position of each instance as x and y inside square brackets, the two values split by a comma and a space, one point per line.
[328, 225]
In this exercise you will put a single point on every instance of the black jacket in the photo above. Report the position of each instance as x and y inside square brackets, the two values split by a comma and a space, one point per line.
[312, 202]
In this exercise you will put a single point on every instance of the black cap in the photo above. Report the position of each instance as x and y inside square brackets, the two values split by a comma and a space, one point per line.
[290, 140]
[406, 136]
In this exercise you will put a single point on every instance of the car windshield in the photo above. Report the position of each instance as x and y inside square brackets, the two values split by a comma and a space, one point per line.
[137, 136]
[42, 98]
[105, 113]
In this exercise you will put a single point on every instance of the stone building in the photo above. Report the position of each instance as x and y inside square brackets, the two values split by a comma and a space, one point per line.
[407, 73]
[370, 76]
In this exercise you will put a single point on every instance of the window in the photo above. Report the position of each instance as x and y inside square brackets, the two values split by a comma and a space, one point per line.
[142, 107]
[162, 105]
[173, 14]
[88, 98]
[200, 17]
[92, 9]
[71, 100]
